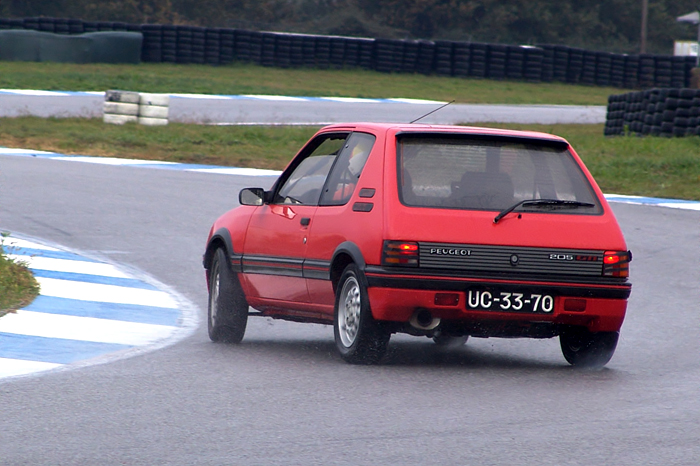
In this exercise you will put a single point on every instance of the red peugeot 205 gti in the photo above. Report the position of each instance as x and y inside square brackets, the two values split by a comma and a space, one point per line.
[438, 231]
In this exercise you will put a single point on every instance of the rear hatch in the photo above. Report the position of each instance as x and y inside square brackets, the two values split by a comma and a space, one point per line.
[498, 204]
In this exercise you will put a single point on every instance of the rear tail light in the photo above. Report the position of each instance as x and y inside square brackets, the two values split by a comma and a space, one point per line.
[616, 263]
[400, 253]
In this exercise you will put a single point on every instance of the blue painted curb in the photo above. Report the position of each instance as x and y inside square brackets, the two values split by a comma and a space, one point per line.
[89, 311]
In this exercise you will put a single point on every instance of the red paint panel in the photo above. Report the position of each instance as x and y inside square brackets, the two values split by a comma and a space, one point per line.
[277, 231]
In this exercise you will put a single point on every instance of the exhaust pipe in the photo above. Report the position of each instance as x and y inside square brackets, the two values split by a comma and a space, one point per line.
[422, 319]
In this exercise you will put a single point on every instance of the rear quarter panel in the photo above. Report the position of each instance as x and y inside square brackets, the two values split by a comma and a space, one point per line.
[333, 225]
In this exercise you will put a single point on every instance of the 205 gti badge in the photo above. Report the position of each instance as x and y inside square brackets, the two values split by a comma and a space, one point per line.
[561, 257]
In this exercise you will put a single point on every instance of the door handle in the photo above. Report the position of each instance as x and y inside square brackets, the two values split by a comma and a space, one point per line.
[305, 221]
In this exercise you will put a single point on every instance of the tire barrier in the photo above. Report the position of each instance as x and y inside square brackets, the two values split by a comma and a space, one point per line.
[654, 112]
[168, 44]
[122, 107]
[153, 109]
[96, 47]
[541, 63]
[152, 48]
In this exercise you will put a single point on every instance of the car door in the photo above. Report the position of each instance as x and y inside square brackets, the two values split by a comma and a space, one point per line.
[276, 241]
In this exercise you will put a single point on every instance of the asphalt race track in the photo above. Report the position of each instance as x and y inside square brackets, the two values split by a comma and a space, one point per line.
[236, 110]
[283, 397]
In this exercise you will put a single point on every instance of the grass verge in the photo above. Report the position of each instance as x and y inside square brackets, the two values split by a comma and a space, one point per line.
[250, 79]
[240, 146]
[18, 287]
[649, 166]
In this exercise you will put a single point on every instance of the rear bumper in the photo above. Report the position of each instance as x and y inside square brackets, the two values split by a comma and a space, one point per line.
[397, 297]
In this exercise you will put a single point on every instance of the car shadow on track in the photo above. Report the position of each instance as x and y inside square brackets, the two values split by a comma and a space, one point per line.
[419, 354]
[404, 354]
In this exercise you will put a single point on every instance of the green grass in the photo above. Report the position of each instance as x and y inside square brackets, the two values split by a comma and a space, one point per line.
[250, 79]
[650, 166]
[18, 287]
[241, 146]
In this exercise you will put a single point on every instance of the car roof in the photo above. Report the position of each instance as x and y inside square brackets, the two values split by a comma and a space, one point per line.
[446, 129]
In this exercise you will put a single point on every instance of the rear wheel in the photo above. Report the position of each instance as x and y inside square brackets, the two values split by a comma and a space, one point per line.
[359, 338]
[582, 348]
[228, 309]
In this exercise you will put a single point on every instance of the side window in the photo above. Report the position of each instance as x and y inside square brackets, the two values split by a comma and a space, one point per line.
[304, 184]
[343, 179]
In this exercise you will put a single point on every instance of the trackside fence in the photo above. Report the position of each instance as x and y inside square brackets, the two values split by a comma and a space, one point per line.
[541, 63]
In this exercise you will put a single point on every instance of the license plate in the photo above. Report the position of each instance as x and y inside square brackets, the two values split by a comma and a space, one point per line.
[503, 301]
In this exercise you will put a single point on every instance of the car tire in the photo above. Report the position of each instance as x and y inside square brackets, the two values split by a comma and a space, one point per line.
[582, 348]
[228, 310]
[446, 341]
[359, 338]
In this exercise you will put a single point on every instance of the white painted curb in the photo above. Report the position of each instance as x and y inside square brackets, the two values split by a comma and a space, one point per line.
[89, 311]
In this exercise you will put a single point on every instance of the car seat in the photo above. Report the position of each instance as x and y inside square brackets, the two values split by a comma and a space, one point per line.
[483, 190]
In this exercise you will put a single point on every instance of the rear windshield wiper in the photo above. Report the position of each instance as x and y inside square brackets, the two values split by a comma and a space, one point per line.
[543, 202]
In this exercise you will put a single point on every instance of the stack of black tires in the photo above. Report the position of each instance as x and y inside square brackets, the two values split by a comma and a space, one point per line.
[654, 112]
[548, 63]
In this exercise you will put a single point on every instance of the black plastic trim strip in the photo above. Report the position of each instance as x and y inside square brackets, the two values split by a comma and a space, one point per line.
[271, 270]
[378, 277]
[554, 143]
[285, 266]
[367, 192]
[223, 235]
[270, 265]
[362, 207]
[443, 285]
[481, 275]
[317, 269]
[236, 263]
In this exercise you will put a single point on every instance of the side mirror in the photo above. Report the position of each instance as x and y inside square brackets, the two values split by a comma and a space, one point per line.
[252, 196]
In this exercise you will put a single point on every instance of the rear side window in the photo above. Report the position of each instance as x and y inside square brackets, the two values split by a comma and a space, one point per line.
[303, 185]
[488, 174]
[347, 170]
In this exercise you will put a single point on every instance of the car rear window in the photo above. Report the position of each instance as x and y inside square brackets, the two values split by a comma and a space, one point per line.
[458, 172]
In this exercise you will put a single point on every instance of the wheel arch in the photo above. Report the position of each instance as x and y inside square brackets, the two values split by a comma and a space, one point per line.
[220, 239]
[345, 254]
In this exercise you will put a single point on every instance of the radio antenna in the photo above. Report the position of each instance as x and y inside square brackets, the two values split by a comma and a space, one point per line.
[433, 111]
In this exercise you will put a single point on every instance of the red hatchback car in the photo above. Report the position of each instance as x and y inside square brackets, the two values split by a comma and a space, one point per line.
[438, 231]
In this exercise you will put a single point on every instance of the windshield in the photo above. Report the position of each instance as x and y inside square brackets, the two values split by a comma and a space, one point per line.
[460, 172]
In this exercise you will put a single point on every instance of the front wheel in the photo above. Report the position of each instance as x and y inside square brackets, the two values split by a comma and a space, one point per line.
[359, 338]
[228, 308]
[582, 348]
